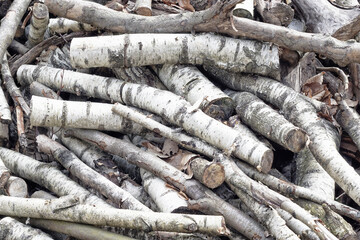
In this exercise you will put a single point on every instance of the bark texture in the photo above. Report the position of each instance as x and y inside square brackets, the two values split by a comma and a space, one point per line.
[130, 50]
[323, 139]
[38, 24]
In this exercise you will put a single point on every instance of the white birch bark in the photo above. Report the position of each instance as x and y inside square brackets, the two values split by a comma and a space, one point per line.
[238, 179]
[190, 83]
[38, 24]
[42, 194]
[10, 22]
[176, 110]
[140, 75]
[167, 199]
[143, 7]
[72, 82]
[78, 231]
[5, 114]
[205, 200]
[64, 25]
[302, 114]
[347, 3]
[89, 176]
[130, 50]
[292, 190]
[186, 141]
[244, 9]
[297, 226]
[95, 215]
[311, 175]
[47, 112]
[41, 90]
[267, 216]
[46, 176]
[12, 229]
[268, 122]
[349, 120]
[15, 186]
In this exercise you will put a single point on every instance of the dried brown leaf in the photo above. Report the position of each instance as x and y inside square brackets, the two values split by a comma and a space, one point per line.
[170, 147]
[185, 4]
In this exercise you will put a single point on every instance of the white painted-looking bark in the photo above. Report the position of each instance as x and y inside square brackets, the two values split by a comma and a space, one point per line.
[129, 50]
[244, 9]
[72, 82]
[268, 122]
[38, 24]
[13, 229]
[167, 199]
[5, 114]
[180, 112]
[301, 113]
[189, 82]
[47, 176]
[64, 25]
[47, 112]
[95, 215]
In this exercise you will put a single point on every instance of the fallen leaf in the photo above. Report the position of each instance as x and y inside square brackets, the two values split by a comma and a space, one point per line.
[185, 4]
[170, 147]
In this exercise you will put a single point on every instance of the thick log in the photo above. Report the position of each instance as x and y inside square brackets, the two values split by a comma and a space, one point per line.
[275, 12]
[38, 24]
[90, 214]
[128, 50]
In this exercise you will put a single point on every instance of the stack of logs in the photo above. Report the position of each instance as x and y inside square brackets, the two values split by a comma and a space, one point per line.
[171, 119]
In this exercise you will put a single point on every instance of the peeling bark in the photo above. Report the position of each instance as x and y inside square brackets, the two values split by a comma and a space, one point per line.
[130, 50]
[302, 114]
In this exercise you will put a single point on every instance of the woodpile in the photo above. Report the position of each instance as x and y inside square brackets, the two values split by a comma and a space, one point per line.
[180, 119]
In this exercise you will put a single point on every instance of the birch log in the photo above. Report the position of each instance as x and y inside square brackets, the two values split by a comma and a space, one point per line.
[213, 204]
[64, 25]
[38, 24]
[14, 186]
[176, 110]
[166, 198]
[111, 89]
[72, 82]
[302, 114]
[269, 123]
[143, 7]
[244, 9]
[13, 90]
[275, 12]
[79, 169]
[189, 82]
[239, 180]
[47, 112]
[294, 191]
[81, 213]
[10, 23]
[349, 120]
[46, 176]
[130, 50]
[78, 231]
[12, 229]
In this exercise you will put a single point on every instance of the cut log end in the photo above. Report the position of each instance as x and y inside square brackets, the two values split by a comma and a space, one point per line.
[296, 140]
[214, 175]
[144, 11]
[266, 162]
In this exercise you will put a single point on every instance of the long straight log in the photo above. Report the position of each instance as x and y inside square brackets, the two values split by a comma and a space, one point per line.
[128, 50]
[90, 214]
